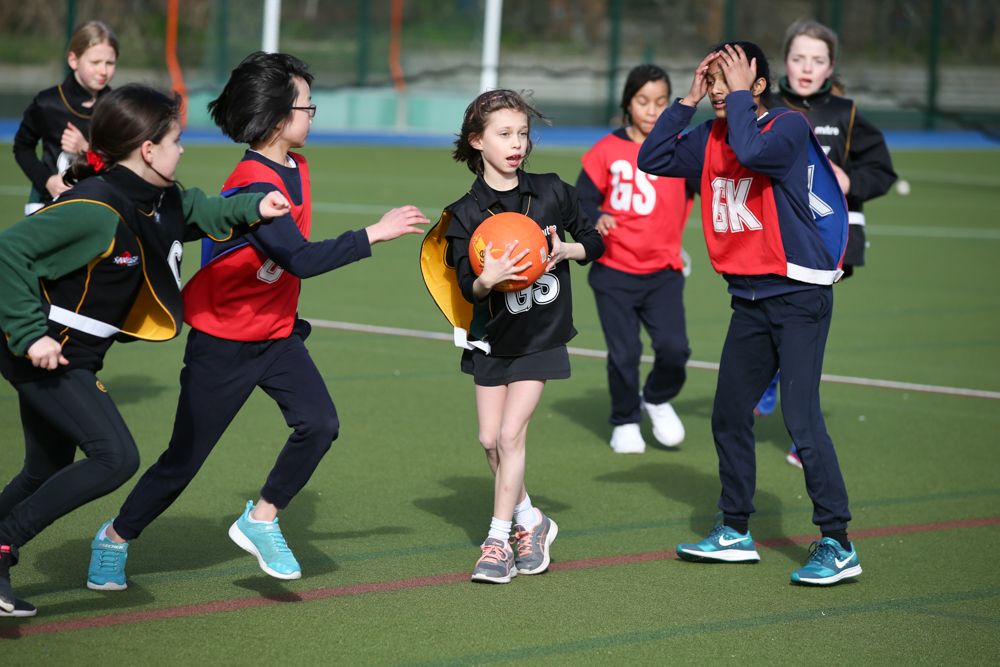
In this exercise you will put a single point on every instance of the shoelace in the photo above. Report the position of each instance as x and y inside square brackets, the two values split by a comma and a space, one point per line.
[109, 561]
[523, 539]
[278, 540]
[816, 549]
[493, 553]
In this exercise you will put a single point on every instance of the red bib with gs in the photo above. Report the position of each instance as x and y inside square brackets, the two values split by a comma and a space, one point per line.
[241, 294]
[738, 212]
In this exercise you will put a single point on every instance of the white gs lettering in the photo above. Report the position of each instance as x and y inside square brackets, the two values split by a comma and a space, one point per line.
[729, 206]
[622, 198]
[545, 290]
[269, 272]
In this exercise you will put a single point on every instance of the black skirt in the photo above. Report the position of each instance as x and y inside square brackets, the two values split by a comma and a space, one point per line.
[490, 371]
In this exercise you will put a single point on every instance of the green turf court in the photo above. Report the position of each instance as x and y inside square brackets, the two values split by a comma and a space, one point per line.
[387, 529]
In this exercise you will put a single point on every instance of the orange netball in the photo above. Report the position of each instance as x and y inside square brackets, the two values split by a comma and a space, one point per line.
[502, 230]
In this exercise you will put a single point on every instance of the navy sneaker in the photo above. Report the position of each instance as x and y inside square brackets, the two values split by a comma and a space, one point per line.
[8, 559]
[723, 545]
[22, 609]
[769, 401]
[828, 564]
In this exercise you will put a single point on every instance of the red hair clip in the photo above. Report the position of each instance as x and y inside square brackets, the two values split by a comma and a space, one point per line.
[95, 161]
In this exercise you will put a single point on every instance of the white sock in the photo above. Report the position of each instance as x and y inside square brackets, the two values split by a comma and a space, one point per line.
[103, 535]
[524, 513]
[253, 520]
[500, 529]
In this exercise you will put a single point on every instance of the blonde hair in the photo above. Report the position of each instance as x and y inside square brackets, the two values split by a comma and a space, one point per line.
[814, 30]
[89, 34]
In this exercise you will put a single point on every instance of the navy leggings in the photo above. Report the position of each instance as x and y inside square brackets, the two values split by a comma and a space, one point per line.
[624, 300]
[60, 414]
[218, 377]
[788, 330]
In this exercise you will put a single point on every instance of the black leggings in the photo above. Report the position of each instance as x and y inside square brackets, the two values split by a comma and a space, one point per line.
[59, 414]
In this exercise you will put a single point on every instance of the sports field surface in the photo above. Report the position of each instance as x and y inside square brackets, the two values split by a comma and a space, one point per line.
[387, 530]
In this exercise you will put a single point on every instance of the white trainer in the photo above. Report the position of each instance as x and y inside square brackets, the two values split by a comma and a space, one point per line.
[667, 426]
[627, 439]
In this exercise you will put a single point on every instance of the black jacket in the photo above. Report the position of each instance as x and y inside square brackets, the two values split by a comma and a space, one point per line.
[45, 120]
[851, 142]
[540, 317]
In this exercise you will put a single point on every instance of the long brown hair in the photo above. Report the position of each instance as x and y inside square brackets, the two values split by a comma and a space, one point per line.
[122, 121]
[477, 117]
[90, 33]
[814, 30]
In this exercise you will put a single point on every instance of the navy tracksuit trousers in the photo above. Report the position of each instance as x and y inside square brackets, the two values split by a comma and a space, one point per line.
[624, 300]
[217, 379]
[789, 331]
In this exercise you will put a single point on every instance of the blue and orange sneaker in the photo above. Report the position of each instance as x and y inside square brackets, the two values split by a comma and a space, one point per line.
[265, 541]
[107, 563]
[723, 545]
[769, 401]
[828, 564]
[792, 457]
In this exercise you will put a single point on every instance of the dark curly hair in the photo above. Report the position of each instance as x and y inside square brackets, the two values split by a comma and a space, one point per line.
[638, 78]
[260, 94]
[477, 117]
[123, 119]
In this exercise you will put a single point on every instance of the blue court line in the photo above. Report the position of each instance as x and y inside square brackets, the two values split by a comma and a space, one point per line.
[555, 137]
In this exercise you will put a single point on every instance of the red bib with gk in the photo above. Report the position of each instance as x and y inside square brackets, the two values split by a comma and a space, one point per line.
[241, 294]
[738, 212]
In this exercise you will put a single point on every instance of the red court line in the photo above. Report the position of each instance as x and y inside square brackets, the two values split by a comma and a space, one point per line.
[418, 582]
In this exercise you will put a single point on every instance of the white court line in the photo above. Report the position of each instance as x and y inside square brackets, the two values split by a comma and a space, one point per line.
[706, 365]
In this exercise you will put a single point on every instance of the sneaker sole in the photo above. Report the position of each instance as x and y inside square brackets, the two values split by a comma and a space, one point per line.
[627, 450]
[727, 556]
[826, 581]
[793, 460]
[106, 586]
[22, 609]
[487, 579]
[549, 539]
[243, 542]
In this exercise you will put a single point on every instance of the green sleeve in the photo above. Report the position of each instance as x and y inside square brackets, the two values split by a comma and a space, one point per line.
[216, 216]
[55, 241]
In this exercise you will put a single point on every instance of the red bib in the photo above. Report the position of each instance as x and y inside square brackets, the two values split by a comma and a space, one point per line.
[241, 294]
[650, 211]
[738, 212]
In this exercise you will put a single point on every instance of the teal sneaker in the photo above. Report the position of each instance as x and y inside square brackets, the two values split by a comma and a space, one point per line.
[723, 545]
[264, 540]
[107, 564]
[828, 564]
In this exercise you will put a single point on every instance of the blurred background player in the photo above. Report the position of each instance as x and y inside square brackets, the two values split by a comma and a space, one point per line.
[856, 148]
[639, 278]
[101, 262]
[519, 338]
[59, 117]
[775, 225]
[242, 307]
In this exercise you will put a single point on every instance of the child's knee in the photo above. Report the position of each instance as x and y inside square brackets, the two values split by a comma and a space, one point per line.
[488, 441]
[510, 440]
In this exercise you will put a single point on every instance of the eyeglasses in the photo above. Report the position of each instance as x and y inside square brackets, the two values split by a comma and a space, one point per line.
[311, 109]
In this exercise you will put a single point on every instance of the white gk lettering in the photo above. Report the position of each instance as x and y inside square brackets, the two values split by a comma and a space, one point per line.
[729, 206]
[622, 198]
